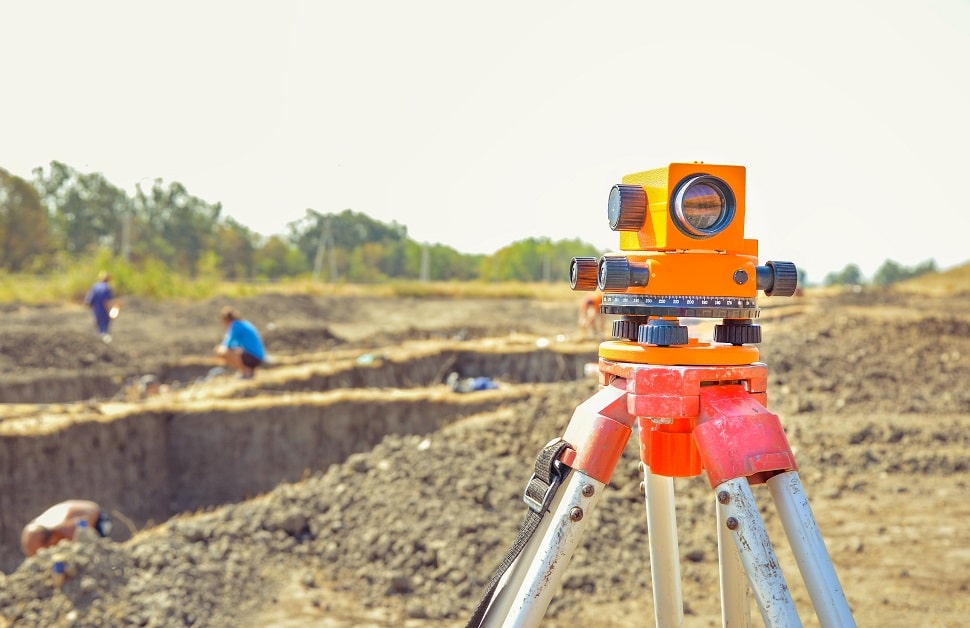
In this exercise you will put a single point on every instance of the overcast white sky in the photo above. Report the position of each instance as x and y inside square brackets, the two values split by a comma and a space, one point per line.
[476, 124]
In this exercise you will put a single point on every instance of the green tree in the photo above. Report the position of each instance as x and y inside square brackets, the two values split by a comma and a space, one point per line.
[891, 272]
[447, 264]
[180, 226]
[24, 238]
[86, 210]
[340, 236]
[534, 259]
[394, 261]
[848, 276]
[436, 262]
[276, 259]
[363, 263]
[235, 247]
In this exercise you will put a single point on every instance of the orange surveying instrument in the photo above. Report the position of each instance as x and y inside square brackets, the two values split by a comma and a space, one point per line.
[697, 407]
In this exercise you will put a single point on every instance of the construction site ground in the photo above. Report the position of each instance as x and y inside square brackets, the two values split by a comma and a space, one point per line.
[348, 485]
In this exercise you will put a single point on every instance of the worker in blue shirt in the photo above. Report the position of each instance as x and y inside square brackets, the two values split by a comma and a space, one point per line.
[242, 348]
[103, 305]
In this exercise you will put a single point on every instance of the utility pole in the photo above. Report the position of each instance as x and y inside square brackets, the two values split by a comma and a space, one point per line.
[325, 247]
[425, 263]
[126, 235]
[318, 258]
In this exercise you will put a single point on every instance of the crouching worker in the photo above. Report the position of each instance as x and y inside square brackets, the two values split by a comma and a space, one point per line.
[59, 522]
[242, 348]
[590, 318]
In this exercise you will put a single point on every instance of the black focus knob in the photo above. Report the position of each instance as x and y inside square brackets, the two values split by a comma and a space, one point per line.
[617, 273]
[627, 208]
[737, 332]
[785, 280]
[626, 329]
[614, 273]
[583, 273]
[662, 333]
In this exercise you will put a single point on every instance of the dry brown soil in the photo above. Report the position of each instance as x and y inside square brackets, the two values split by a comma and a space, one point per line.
[873, 390]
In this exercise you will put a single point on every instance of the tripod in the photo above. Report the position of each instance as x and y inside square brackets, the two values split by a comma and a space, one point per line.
[697, 407]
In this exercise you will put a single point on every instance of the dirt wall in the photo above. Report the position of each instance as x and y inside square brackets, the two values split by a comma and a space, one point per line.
[122, 463]
[151, 460]
[58, 388]
[152, 465]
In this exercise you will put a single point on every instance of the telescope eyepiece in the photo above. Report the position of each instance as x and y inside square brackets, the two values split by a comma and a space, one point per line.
[627, 207]
[777, 278]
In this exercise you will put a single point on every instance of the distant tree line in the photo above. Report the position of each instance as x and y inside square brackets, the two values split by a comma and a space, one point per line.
[889, 273]
[62, 215]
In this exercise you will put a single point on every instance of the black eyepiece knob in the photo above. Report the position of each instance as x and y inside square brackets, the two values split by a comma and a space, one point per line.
[785, 280]
[614, 273]
[627, 208]
[583, 272]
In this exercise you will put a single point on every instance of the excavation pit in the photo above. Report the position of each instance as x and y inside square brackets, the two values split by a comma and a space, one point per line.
[220, 440]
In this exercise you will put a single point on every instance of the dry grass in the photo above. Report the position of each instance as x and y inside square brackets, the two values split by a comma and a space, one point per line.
[950, 282]
[449, 289]
[36, 290]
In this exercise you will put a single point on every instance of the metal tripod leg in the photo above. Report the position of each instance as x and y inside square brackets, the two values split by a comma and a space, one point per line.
[742, 443]
[758, 557]
[738, 516]
[668, 599]
[598, 433]
[535, 575]
[735, 593]
[809, 549]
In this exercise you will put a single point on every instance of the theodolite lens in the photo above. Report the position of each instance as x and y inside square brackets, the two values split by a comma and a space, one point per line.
[702, 206]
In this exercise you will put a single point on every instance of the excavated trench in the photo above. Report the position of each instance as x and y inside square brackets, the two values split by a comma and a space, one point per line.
[222, 440]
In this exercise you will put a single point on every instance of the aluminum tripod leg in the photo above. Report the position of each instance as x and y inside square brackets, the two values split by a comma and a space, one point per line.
[742, 518]
[741, 443]
[534, 577]
[668, 599]
[809, 549]
[597, 433]
[738, 516]
[735, 592]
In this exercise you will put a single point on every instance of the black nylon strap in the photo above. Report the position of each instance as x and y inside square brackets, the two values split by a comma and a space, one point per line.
[539, 493]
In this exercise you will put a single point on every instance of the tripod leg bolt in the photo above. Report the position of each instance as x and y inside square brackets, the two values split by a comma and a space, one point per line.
[576, 514]
[724, 497]
[732, 523]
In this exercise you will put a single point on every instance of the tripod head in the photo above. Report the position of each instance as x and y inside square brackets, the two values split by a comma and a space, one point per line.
[682, 253]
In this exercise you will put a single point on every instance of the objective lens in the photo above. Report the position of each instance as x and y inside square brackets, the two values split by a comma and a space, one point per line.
[702, 206]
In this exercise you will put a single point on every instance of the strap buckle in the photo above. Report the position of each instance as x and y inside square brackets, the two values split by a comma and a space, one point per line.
[549, 474]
